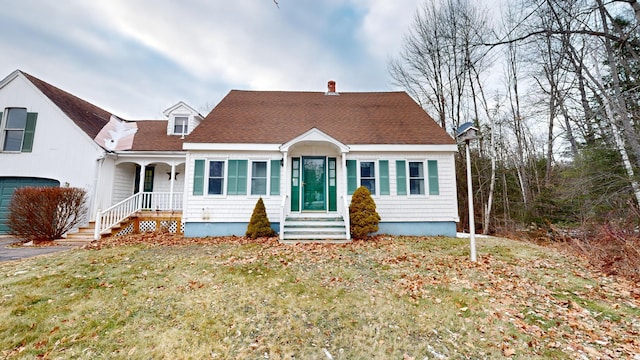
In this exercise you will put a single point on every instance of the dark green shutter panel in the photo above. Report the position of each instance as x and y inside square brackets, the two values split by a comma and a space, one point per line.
[237, 177]
[29, 132]
[401, 177]
[275, 177]
[352, 176]
[232, 178]
[384, 177]
[434, 187]
[198, 177]
[243, 171]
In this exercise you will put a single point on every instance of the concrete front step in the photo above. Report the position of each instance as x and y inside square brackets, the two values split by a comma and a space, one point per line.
[314, 229]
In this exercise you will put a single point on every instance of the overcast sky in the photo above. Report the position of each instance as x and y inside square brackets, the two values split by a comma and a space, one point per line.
[136, 58]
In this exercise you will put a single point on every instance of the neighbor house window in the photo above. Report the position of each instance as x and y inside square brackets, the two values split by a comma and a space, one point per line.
[368, 175]
[416, 178]
[180, 125]
[216, 178]
[259, 178]
[18, 128]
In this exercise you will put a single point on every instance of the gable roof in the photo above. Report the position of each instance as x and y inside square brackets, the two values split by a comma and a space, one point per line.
[275, 117]
[88, 117]
[152, 136]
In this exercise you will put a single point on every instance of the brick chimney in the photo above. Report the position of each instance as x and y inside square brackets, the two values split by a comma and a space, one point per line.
[332, 86]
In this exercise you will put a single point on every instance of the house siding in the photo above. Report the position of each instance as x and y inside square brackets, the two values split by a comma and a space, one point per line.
[426, 214]
[60, 148]
[123, 182]
[228, 208]
[416, 208]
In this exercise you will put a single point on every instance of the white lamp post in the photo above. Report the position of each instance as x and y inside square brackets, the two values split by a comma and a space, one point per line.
[467, 132]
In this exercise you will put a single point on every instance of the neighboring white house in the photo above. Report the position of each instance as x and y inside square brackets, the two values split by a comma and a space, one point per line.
[304, 153]
[50, 137]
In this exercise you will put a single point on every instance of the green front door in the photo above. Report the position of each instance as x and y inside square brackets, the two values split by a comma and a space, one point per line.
[314, 184]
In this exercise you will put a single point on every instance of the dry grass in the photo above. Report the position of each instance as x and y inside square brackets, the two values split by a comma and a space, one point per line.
[389, 298]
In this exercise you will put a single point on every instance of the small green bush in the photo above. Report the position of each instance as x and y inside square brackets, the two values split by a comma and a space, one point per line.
[259, 225]
[362, 214]
[46, 213]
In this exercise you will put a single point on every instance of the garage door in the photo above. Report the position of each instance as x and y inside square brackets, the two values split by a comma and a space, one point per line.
[8, 185]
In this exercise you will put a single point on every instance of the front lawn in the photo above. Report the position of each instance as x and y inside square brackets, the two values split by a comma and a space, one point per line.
[404, 298]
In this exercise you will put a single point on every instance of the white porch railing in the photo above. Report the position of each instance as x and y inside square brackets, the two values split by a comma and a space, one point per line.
[160, 201]
[345, 216]
[283, 214]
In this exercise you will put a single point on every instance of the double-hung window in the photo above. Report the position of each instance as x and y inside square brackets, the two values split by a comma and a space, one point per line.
[216, 178]
[180, 125]
[368, 175]
[18, 128]
[416, 178]
[259, 178]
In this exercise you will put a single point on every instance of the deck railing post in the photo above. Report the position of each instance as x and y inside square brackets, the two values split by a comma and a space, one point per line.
[98, 224]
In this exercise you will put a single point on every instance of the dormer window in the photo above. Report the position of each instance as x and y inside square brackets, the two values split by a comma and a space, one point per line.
[182, 119]
[180, 125]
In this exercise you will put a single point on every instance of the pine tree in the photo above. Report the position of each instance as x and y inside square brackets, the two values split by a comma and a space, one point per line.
[259, 225]
[362, 214]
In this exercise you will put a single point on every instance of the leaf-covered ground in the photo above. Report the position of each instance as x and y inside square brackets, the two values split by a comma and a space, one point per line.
[162, 296]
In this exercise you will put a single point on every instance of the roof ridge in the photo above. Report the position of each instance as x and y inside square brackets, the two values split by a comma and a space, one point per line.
[89, 117]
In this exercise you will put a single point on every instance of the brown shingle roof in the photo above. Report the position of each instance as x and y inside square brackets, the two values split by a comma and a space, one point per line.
[276, 117]
[88, 117]
[152, 136]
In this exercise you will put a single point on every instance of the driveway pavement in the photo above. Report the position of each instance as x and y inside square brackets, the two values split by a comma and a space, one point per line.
[8, 253]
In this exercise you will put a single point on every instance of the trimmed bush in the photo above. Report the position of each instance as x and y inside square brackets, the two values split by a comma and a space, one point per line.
[362, 214]
[46, 213]
[259, 225]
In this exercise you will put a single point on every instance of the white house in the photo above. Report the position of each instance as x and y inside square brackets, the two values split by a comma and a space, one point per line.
[304, 153]
[51, 137]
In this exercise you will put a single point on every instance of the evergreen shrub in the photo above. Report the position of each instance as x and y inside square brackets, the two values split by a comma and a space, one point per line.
[363, 217]
[259, 225]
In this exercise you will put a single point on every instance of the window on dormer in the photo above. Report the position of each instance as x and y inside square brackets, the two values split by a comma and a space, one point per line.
[180, 124]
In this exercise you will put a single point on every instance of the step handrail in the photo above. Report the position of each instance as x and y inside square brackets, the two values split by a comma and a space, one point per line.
[345, 216]
[283, 215]
[112, 216]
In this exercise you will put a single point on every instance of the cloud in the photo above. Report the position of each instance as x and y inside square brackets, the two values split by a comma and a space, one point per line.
[137, 58]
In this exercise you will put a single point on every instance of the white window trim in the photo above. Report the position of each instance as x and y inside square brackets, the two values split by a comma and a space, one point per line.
[225, 183]
[376, 175]
[173, 123]
[250, 178]
[3, 130]
[425, 177]
[224, 178]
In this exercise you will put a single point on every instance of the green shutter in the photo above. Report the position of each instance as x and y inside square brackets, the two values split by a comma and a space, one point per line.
[29, 132]
[384, 177]
[237, 177]
[275, 177]
[434, 187]
[352, 176]
[198, 177]
[401, 177]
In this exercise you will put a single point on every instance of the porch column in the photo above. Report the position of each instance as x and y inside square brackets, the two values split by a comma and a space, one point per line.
[143, 167]
[171, 182]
